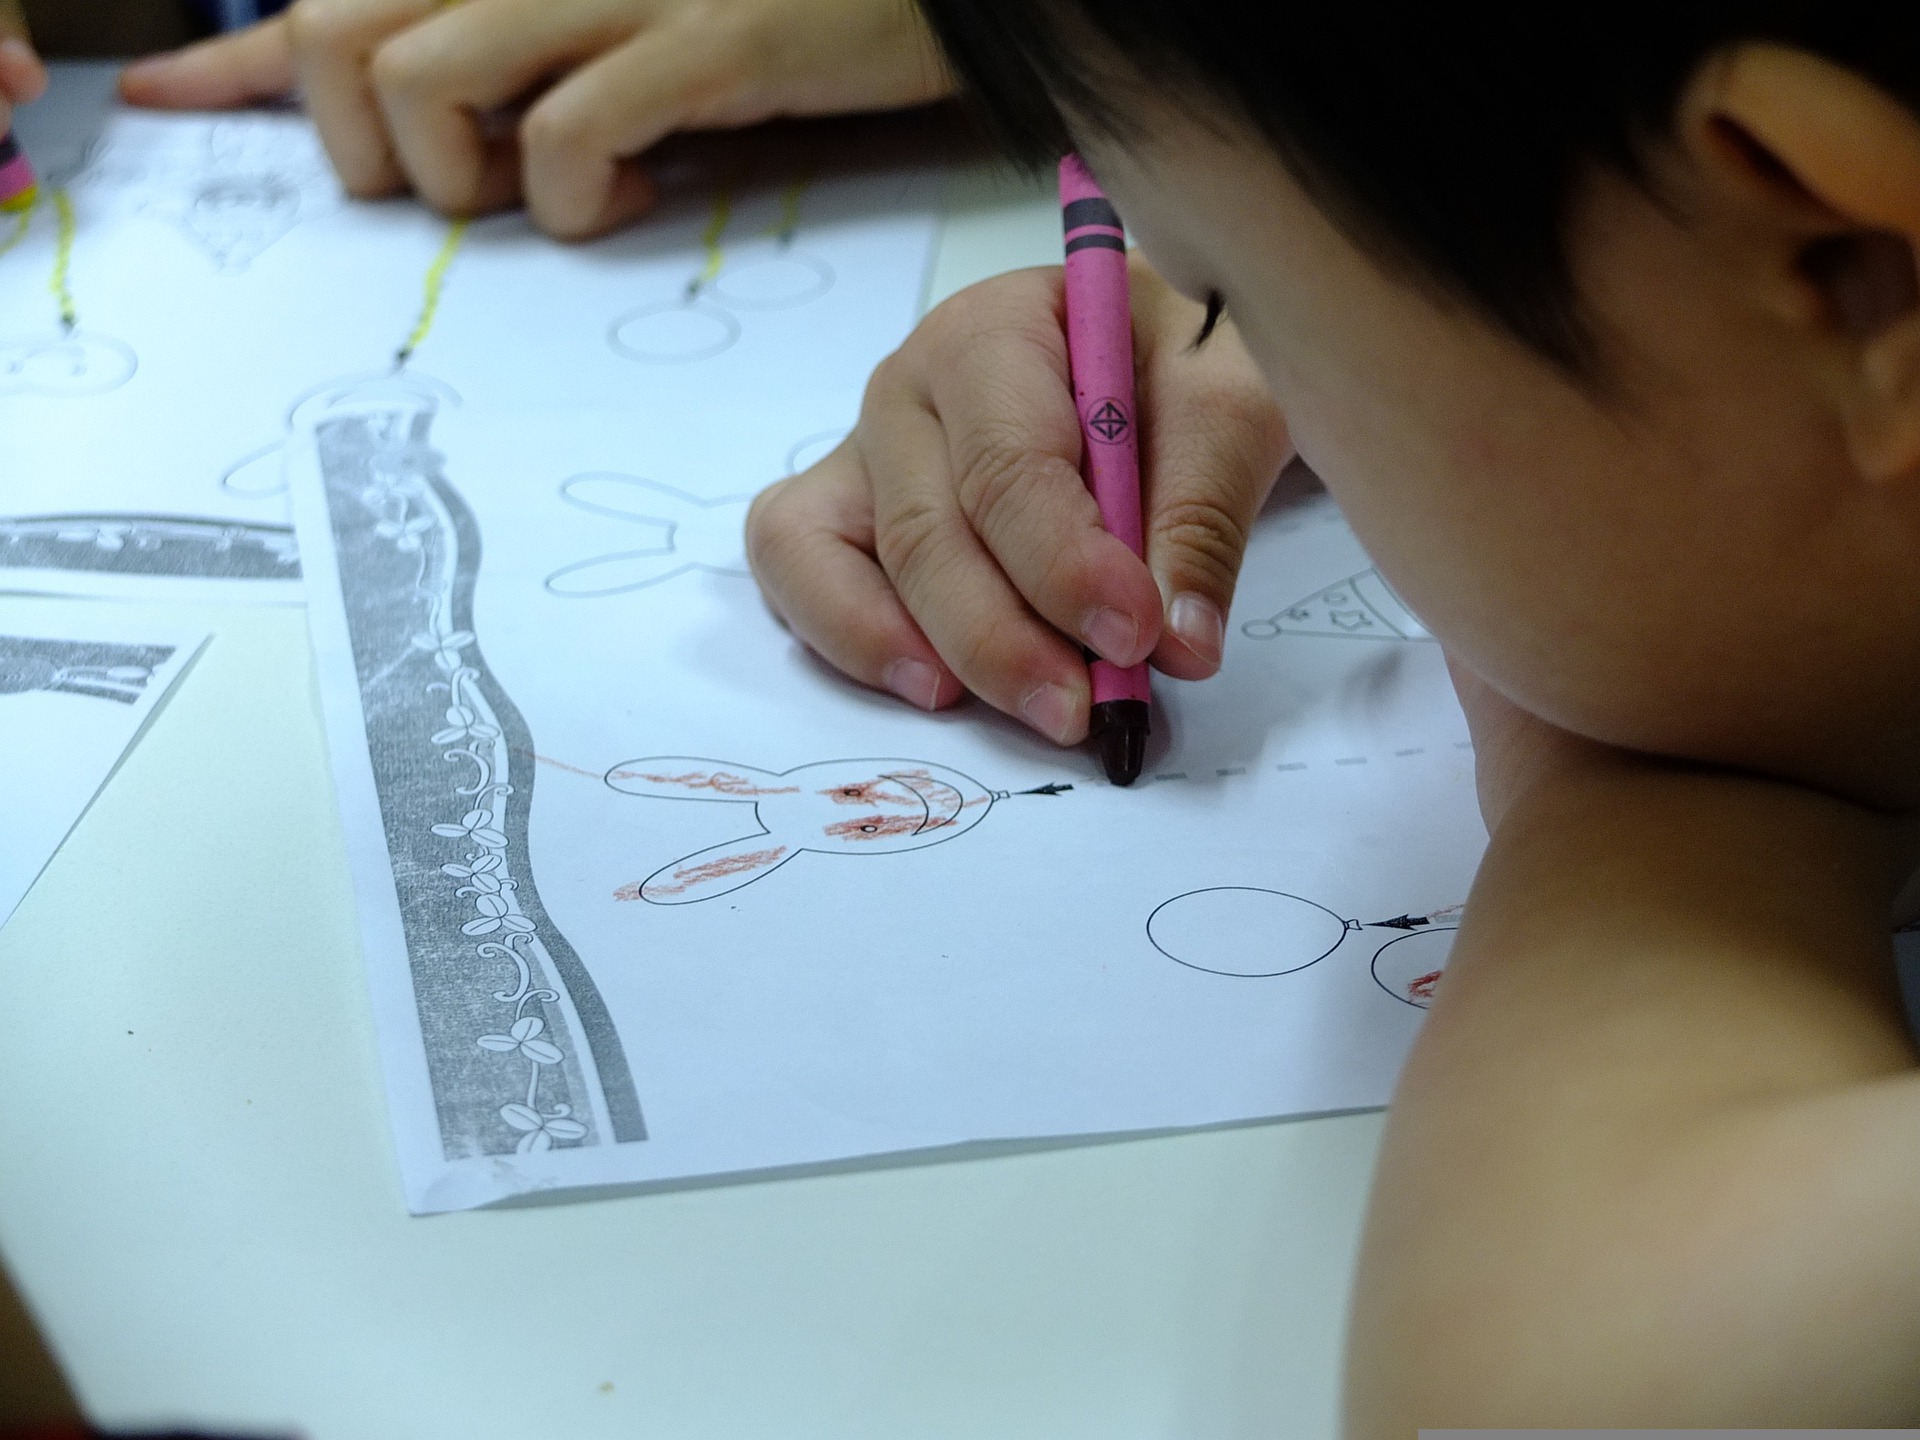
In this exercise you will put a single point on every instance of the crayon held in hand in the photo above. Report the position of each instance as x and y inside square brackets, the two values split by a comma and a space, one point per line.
[19, 186]
[1100, 351]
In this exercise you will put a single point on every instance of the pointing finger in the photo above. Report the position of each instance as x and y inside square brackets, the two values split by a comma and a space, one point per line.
[230, 70]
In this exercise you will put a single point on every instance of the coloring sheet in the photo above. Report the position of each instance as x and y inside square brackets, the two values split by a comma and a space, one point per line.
[647, 893]
[71, 706]
[187, 282]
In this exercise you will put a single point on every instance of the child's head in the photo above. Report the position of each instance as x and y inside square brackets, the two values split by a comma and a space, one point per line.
[1603, 326]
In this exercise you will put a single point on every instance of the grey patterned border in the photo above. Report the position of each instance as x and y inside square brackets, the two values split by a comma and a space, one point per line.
[453, 765]
[175, 546]
[103, 670]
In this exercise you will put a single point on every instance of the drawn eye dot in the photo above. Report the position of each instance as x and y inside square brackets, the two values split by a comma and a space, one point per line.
[868, 829]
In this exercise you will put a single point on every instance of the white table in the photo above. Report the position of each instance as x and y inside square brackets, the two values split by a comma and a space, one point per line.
[200, 1198]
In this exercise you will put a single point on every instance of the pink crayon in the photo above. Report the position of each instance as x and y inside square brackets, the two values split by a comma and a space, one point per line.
[18, 185]
[1100, 351]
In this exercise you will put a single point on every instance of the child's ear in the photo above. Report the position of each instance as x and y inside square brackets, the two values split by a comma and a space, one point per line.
[1817, 170]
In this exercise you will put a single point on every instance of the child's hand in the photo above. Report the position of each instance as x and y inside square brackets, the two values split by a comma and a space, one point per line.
[22, 77]
[411, 92]
[950, 544]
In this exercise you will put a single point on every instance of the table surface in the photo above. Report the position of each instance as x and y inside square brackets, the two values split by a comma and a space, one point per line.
[202, 1204]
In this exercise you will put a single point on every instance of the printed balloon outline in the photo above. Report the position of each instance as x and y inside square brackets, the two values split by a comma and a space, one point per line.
[1245, 931]
[771, 276]
[71, 365]
[1360, 607]
[674, 332]
[259, 473]
[1251, 932]
[1409, 967]
[867, 806]
[689, 533]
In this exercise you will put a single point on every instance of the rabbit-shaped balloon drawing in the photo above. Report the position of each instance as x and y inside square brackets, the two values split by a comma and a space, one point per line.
[835, 807]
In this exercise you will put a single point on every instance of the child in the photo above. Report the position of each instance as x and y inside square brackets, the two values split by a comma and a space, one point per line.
[413, 94]
[421, 95]
[1602, 325]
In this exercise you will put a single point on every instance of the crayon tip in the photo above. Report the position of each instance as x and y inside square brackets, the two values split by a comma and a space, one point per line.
[20, 203]
[1121, 727]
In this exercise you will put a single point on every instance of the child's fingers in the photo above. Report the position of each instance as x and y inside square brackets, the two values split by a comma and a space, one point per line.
[239, 69]
[333, 44]
[578, 137]
[442, 83]
[1214, 443]
[810, 542]
[951, 584]
[1005, 403]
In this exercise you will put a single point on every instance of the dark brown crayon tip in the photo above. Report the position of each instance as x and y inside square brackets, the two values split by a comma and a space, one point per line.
[1120, 728]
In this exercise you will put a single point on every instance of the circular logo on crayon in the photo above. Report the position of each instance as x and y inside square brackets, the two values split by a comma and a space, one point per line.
[1108, 420]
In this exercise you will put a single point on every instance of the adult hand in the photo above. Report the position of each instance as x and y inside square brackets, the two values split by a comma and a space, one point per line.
[427, 94]
[950, 545]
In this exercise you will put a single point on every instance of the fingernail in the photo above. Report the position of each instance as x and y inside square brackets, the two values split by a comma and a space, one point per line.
[1199, 624]
[915, 682]
[1112, 635]
[1054, 711]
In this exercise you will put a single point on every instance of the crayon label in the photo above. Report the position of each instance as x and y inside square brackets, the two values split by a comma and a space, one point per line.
[1109, 421]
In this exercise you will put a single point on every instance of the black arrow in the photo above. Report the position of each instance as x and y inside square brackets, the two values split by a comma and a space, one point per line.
[1400, 922]
[1054, 789]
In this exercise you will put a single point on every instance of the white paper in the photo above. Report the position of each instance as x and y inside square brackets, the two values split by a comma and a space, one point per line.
[72, 705]
[648, 894]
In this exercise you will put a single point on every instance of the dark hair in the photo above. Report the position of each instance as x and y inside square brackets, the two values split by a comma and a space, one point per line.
[1449, 138]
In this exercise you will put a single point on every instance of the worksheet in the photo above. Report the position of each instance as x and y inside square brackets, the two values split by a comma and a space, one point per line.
[154, 291]
[185, 283]
[648, 894]
[72, 705]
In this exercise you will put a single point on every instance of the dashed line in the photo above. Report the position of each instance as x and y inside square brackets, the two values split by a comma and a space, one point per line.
[1236, 770]
[1174, 775]
[1417, 750]
[1352, 760]
[1293, 765]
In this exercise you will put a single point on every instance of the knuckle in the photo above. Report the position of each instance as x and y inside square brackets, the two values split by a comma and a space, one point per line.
[321, 26]
[912, 547]
[550, 129]
[768, 523]
[1208, 538]
[400, 68]
[997, 475]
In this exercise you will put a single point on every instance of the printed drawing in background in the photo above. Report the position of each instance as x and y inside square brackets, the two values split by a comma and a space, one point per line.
[79, 667]
[1410, 967]
[835, 807]
[62, 361]
[262, 473]
[764, 273]
[683, 533]
[1360, 607]
[1252, 933]
[174, 545]
[233, 189]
